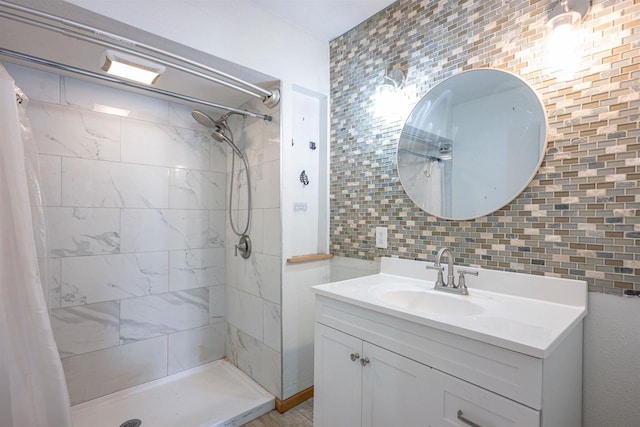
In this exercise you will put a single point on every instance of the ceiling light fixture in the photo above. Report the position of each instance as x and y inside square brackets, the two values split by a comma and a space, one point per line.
[131, 68]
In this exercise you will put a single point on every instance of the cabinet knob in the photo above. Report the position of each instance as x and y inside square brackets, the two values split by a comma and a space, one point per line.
[364, 361]
[354, 357]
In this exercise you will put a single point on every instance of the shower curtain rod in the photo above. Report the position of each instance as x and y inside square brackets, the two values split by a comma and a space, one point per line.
[71, 69]
[253, 90]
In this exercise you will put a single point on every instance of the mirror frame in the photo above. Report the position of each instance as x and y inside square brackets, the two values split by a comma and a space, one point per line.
[535, 170]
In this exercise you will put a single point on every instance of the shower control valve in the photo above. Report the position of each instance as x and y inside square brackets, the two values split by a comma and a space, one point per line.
[244, 247]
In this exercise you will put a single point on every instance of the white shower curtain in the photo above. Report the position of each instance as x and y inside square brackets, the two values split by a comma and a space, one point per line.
[33, 390]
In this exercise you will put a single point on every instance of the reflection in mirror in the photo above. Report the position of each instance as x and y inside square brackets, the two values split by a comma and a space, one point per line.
[472, 144]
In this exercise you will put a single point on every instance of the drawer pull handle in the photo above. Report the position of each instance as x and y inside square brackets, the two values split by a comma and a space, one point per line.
[354, 357]
[364, 361]
[466, 420]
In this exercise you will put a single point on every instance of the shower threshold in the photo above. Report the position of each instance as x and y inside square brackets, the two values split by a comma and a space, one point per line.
[213, 395]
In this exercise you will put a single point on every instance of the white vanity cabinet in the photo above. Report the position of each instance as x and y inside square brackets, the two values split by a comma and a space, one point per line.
[392, 352]
[374, 369]
[363, 384]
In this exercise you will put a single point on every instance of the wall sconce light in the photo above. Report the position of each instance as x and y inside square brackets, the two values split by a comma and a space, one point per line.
[394, 79]
[390, 102]
[564, 43]
[567, 14]
[131, 67]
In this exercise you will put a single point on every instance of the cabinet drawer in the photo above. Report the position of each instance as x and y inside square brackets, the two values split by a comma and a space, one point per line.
[452, 396]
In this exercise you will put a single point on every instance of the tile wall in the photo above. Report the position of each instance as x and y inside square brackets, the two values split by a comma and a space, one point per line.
[254, 284]
[135, 206]
[580, 216]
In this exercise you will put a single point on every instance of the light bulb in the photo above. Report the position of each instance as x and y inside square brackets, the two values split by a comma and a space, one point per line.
[563, 50]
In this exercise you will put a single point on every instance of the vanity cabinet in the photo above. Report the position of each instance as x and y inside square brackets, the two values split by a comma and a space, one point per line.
[363, 384]
[374, 369]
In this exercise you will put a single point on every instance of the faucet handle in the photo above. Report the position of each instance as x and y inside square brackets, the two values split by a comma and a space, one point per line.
[461, 279]
[440, 279]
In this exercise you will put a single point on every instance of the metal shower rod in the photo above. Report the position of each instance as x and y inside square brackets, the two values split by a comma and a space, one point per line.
[239, 85]
[79, 71]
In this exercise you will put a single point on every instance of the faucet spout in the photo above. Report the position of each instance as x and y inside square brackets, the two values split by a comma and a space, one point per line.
[450, 278]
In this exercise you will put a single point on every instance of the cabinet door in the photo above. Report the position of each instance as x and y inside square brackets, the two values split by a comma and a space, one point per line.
[337, 379]
[394, 389]
[456, 401]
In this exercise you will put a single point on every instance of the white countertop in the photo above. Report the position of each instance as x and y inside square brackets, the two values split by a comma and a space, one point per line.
[518, 312]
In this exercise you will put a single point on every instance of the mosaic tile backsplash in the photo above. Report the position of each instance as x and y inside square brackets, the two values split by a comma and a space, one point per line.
[579, 218]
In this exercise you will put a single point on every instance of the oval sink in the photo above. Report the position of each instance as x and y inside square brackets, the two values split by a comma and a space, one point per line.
[431, 302]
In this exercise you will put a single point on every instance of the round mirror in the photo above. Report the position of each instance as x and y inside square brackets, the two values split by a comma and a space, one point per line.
[472, 144]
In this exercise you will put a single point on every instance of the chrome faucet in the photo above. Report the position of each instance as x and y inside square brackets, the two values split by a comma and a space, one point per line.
[450, 286]
[450, 279]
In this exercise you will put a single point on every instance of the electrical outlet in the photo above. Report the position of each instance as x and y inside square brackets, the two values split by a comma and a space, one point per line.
[381, 237]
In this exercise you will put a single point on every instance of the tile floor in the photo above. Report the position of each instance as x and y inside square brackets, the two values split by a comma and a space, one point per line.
[300, 416]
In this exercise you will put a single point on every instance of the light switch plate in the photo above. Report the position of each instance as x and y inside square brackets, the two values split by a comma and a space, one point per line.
[381, 237]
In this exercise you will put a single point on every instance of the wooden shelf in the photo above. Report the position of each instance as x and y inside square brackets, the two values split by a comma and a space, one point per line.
[307, 258]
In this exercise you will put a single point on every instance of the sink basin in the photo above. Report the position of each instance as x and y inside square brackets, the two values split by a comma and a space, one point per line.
[431, 302]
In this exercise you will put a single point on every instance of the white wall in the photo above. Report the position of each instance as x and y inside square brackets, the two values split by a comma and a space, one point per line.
[611, 374]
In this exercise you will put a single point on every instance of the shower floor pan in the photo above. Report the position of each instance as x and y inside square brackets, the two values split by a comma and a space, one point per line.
[215, 394]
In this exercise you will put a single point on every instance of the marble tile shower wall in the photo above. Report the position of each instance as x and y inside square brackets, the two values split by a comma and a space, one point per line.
[580, 216]
[137, 232]
[253, 285]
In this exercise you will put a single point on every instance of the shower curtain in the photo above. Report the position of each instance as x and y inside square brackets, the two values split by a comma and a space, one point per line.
[33, 390]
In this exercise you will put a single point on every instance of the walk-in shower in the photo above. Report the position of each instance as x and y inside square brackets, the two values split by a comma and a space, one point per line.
[221, 132]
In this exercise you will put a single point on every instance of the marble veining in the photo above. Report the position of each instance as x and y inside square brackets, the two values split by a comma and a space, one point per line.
[255, 359]
[111, 277]
[85, 328]
[153, 315]
[55, 280]
[161, 145]
[83, 231]
[161, 229]
[246, 312]
[119, 367]
[92, 183]
[196, 268]
[217, 223]
[272, 325]
[260, 275]
[75, 133]
[191, 189]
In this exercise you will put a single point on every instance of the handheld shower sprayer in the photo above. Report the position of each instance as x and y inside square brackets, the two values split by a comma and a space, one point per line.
[221, 132]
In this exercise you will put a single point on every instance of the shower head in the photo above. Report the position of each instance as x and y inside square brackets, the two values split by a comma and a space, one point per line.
[219, 135]
[204, 119]
[219, 128]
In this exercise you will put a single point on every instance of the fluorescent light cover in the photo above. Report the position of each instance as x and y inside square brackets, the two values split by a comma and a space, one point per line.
[131, 68]
[111, 110]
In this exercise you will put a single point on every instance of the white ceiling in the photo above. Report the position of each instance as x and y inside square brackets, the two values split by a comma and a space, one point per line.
[324, 19]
